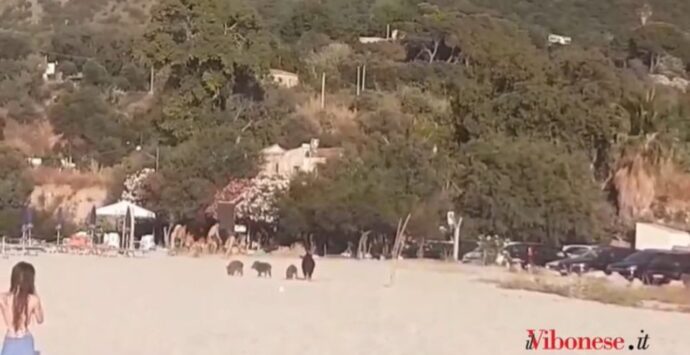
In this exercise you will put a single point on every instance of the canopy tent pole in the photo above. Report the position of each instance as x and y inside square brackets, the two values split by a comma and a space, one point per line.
[124, 230]
[131, 231]
[129, 212]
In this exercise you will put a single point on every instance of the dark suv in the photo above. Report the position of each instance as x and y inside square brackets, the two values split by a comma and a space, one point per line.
[653, 266]
[666, 267]
[598, 258]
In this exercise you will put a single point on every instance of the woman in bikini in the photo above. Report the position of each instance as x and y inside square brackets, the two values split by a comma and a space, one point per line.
[19, 306]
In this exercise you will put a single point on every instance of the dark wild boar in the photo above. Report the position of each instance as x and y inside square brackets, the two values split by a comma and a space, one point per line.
[262, 268]
[291, 272]
[235, 268]
[308, 266]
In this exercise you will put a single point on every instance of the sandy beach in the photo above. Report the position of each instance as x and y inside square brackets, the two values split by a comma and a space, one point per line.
[181, 305]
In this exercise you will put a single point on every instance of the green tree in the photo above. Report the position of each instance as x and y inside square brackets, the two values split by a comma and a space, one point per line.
[565, 98]
[20, 87]
[389, 172]
[394, 12]
[15, 188]
[16, 13]
[95, 74]
[530, 190]
[94, 129]
[193, 171]
[213, 48]
[656, 40]
[14, 47]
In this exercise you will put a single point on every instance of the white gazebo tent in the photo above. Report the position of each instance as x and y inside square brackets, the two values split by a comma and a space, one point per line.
[122, 209]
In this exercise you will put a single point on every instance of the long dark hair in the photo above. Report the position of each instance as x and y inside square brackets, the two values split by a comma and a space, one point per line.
[21, 286]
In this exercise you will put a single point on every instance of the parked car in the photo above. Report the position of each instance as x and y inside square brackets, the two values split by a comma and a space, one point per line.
[651, 264]
[518, 253]
[433, 249]
[473, 257]
[575, 250]
[597, 258]
[667, 267]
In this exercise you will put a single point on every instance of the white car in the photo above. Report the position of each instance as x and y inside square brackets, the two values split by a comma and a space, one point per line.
[573, 250]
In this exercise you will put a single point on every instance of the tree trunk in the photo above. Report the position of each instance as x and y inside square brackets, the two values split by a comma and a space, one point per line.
[653, 62]
[312, 247]
[386, 247]
[361, 247]
[399, 241]
[432, 55]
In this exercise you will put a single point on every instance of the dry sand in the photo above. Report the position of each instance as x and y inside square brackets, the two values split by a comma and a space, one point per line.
[180, 305]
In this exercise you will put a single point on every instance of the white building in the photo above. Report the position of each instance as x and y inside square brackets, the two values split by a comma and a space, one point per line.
[562, 40]
[35, 162]
[50, 72]
[656, 236]
[367, 40]
[284, 78]
[305, 158]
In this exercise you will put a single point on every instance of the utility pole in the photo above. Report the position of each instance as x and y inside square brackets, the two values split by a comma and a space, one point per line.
[358, 79]
[58, 226]
[455, 222]
[364, 77]
[151, 81]
[456, 239]
[157, 157]
[323, 90]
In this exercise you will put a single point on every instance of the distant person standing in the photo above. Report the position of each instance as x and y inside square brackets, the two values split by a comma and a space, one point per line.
[19, 306]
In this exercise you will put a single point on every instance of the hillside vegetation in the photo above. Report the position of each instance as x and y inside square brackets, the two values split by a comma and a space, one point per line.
[469, 108]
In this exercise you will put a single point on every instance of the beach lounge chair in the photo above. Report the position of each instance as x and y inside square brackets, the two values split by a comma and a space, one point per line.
[147, 243]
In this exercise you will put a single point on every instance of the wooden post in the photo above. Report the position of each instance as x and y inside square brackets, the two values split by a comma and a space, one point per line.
[456, 239]
[23, 239]
[323, 90]
[388, 31]
[364, 77]
[151, 81]
[358, 77]
[157, 156]
[397, 248]
[249, 237]
[131, 231]
[123, 236]
[166, 236]
[361, 246]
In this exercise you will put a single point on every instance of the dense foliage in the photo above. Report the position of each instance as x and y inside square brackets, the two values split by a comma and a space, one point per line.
[468, 109]
[15, 188]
